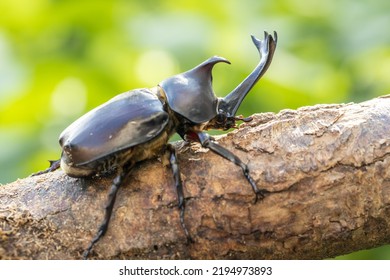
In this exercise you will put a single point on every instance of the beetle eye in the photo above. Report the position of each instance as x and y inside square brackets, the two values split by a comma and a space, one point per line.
[221, 118]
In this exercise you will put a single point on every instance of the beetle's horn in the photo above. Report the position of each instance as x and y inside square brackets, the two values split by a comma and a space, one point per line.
[266, 47]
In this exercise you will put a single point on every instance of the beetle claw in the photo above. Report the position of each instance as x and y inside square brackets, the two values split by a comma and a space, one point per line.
[189, 240]
[260, 195]
[54, 165]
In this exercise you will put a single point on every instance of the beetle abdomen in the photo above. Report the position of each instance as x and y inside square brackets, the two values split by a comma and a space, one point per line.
[111, 162]
[126, 120]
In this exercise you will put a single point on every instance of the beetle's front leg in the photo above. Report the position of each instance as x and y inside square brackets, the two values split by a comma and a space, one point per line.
[207, 142]
[179, 187]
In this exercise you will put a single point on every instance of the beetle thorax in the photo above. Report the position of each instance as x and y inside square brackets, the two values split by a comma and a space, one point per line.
[191, 95]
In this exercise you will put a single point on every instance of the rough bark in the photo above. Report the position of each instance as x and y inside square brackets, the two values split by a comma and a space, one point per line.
[326, 166]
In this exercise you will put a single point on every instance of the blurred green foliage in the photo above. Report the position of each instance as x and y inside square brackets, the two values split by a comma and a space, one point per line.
[59, 59]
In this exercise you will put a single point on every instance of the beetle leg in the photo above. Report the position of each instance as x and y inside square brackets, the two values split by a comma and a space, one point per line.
[54, 165]
[108, 208]
[206, 142]
[179, 187]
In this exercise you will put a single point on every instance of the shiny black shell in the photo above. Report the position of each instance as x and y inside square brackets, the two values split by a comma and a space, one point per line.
[128, 119]
[191, 95]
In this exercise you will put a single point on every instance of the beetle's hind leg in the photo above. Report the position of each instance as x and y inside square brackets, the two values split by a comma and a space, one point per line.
[179, 188]
[54, 165]
[118, 180]
[207, 142]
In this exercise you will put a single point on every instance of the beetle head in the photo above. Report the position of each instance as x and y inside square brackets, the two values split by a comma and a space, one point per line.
[191, 95]
[224, 121]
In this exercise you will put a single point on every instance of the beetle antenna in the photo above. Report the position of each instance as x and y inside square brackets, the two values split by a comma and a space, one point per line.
[241, 118]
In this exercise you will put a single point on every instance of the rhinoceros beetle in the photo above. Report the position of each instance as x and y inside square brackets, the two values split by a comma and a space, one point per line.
[136, 125]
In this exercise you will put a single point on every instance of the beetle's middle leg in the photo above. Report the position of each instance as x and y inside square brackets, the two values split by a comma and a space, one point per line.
[179, 187]
[122, 174]
[207, 142]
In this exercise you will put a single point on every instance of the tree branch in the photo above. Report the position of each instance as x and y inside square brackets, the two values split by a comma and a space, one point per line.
[327, 167]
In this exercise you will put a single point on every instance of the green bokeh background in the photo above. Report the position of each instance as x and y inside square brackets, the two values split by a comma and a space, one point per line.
[59, 59]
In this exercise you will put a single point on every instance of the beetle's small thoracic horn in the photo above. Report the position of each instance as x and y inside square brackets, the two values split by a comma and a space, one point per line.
[193, 87]
[230, 103]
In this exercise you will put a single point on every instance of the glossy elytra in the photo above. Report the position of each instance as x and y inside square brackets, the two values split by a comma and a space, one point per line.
[136, 125]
